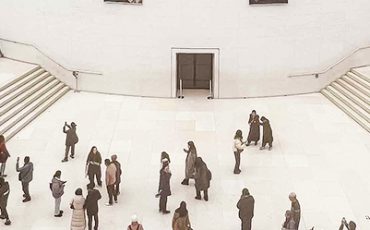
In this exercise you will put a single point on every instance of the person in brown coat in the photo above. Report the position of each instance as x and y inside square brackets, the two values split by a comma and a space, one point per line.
[254, 128]
[202, 177]
[164, 188]
[189, 162]
[180, 220]
[71, 140]
[267, 133]
[4, 155]
[246, 209]
[110, 180]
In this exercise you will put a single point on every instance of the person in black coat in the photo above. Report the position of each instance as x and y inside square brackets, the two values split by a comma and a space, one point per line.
[93, 163]
[202, 178]
[246, 209]
[4, 194]
[118, 175]
[92, 207]
[164, 189]
[254, 128]
[71, 140]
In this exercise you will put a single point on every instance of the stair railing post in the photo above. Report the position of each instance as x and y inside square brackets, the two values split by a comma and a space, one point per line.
[75, 74]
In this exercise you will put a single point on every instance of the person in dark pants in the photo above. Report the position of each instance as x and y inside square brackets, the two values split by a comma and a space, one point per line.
[238, 148]
[350, 226]
[93, 163]
[25, 176]
[295, 208]
[164, 189]
[202, 176]
[246, 209]
[71, 140]
[254, 128]
[110, 180]
[118, 175]
[92, 207]
[189, 162]
[267, 133]
[4, 194]
[4, 155]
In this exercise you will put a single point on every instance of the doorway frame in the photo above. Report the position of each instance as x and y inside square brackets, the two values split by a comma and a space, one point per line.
[215, 65]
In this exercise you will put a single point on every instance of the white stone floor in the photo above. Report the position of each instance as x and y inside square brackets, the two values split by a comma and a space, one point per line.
[319, 153]
[10, 70]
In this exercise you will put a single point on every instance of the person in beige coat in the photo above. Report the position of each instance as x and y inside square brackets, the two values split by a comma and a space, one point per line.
[110, 180]
[180, 219]
[78, 214]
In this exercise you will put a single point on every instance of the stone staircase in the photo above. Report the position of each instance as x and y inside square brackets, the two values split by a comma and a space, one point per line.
[351, 93]
[26, 97]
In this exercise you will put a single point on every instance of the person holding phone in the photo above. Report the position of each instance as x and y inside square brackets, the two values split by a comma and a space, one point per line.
[71, 140]
[25, 176]
[57, 189]
[350, 226]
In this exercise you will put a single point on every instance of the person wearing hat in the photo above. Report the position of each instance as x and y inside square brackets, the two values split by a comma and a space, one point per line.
[254, 128]
[246, 209]
[189, 162]
[164, 189]
[350, 226]
[4, 194]
[71, 140]
[267, 133]
[289, 223]
[295, 208]
[135, 225]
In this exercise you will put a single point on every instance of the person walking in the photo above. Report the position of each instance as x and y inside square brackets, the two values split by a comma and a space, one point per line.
[25, 176]
[164, 189]
[57, 188]
[289, 223]
[295, 208]
[4, 195]
[118, 175]
[71, 140]
[180, 220]
[189, 162]
[254, 128]
[4, 155]
[238, 148]
[93, 163]
[135, 225]
[246, 209]
[110, 180]
[92, 206]
[267, 133]
[78, 215]
[203, 177]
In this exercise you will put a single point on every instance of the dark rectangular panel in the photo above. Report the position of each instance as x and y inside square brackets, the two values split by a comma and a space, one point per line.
[267, 1]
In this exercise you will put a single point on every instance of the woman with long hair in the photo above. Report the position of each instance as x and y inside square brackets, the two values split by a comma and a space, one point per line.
[238, 148]
[190, 162]
[180, 219]
[57, 189]
[4, 155]
[93, 168]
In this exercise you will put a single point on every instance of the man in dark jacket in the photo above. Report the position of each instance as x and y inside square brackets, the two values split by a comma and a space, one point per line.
[202, 178]
[246, 209]
[118, 175]
[92, 207]
[71, 139]
[164, 189]
[267, 133]
[4, 194]
[25, 176]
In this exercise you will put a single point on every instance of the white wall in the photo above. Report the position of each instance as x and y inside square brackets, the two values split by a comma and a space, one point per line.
[259, 45]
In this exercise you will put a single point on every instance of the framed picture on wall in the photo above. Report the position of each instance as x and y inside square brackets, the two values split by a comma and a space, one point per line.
[267, 1]
[133, 2]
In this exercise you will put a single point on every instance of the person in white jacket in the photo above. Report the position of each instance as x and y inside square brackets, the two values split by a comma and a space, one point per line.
[78, 215]
[238, 148]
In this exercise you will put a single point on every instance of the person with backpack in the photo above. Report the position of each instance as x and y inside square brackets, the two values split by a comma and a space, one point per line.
[4, 195]
[25, 176]
[202, 176]
[57, 189]
[135, 225]
[71, 140]
[189, 162]
[78, 215]
[93, 167]
[180, 219]
[92, 206]
[4, 155]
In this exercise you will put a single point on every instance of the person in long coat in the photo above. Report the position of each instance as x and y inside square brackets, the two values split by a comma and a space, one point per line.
[238, 148]
[289, 223]
[135, 225]
[267, 133]
[4, 195]
[254, 128]
[180, 219]
[93, 163]
[71, 140]
[295, 208]
[92, 206]
[164, 189]
[203, 178]
[78, 215]
[190, 162]
[4, 155]
[246, 209]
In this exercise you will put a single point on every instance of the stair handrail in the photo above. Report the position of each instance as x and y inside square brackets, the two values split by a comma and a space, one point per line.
[51, 59]
[317, 73]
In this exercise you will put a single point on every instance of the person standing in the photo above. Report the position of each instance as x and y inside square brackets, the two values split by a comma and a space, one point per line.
[267, 133]
[350, 226]
[71, 140]
[135, 225]
[295, 208]
[118, 176]
[180, 219]
[246, 209]
[110, 180]
[164, 189]
[57, 188]
[289, 223]
[92, 207]
[238, 148]
[78, 215]
[93, 163]
[25, 176]
[254, 128]
[4, 194]
[203, 178]
[4, 155]
[190, 162]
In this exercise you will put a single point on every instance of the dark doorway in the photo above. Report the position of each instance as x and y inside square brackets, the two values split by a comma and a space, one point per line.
[195, 70]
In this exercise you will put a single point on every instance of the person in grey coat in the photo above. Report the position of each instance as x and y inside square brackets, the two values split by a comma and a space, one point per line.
[57, 189]
[246, 209]
[202, 177]
[289, 223]
[71, 140]
[190, 162]
[25, 176]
